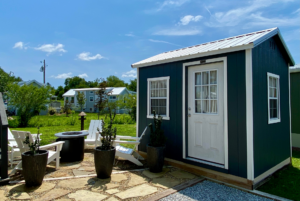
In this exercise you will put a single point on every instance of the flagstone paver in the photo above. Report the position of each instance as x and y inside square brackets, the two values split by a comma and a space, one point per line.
[136, 180]
[20, 196]
[182, 174]
[112, 191]
[63, 199]
[87, 168]
[112, 199]
[141, 190]
[23, 188]
[165, 182]
[76, 183]
[69, 166]
[152, 175]
[80, 173]
[2, 195]
[102, 184]
[53, 194]
[60, 174]
[84, 195]
[118, 177]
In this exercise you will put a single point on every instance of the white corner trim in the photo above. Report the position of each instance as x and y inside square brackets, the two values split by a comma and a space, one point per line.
[290, 113]
[249, 115]
[272, 121]
[272, 170]
[149, 115]
[219, 59]
[137, 103]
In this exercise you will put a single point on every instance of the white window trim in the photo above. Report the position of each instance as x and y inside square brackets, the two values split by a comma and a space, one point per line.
[272, 121]
[149, 115]
[90, 98]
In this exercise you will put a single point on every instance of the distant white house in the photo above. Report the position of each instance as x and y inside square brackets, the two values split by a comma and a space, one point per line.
[90, 94]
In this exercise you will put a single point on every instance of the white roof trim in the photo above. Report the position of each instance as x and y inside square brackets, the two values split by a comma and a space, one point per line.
[236, 43]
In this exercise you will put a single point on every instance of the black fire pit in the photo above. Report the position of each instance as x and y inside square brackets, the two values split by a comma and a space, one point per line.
[73, 148]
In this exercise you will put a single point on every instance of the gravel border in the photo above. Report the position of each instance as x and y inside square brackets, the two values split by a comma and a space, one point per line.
[208, 190]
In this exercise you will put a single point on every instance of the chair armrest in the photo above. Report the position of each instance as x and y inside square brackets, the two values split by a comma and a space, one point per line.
[85, 130]
[55, 144]
[126, 142]
[127, 137]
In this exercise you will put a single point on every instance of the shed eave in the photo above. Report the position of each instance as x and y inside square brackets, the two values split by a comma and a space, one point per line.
[202, 54]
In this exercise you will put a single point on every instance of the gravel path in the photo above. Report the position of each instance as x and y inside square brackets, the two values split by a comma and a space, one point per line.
[208, 190]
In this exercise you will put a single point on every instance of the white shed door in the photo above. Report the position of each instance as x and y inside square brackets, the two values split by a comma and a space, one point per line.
[206, 113]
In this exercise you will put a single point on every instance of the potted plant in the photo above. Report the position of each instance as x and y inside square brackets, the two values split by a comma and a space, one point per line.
[34, 162]
[104, 155]
[156, 147]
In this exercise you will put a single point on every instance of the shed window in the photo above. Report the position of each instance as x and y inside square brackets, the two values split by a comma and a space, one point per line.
[72, 99]
[91, 99]
[273, 98]
[158, 97]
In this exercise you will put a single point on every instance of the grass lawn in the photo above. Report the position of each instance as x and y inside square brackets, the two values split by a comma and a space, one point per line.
[285, 183]
[49, 125]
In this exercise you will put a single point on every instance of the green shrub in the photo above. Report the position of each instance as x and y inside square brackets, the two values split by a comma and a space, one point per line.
[13, 122]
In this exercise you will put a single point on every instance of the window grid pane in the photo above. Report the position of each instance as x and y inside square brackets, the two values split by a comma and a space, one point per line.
[158, 97]
[273, 97]
[206, 92]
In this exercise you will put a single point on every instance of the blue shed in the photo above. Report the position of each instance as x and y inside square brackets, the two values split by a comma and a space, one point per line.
[225, 106]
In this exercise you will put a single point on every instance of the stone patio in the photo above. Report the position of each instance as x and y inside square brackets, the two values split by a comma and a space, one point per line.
[77, 181]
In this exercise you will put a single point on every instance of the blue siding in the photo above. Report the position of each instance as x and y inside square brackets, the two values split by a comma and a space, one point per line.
[173, 127]
[271, 141]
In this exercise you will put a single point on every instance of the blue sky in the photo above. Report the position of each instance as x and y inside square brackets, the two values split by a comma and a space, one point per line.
[95, 39]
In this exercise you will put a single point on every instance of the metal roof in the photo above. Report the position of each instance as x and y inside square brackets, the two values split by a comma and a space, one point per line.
[30, 82]
[295, 69]
[113, 90]
[71, 92]
[236, 43]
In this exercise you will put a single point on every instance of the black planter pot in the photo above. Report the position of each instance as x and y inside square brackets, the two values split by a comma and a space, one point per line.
[104, 161]
[155, 158]
[34, 167]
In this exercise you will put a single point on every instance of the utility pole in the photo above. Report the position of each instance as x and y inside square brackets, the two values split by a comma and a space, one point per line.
[43, 70]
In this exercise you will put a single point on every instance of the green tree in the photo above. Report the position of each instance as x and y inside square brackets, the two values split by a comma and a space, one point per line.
[128, 102]
[132, 85]
[67, 108]
[75, 82]
[28, 99]
[59, 92]
[102, 93]
[81, 99]
[93, 84]
[6, 79]
[114, 81]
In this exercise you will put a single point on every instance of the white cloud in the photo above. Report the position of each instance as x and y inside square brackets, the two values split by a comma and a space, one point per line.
[85, 56]
[50, 48]
[297, 11]
[189, 18]
[171, 3]
[234, 17]
[130, 35]
[62, 76]
[131, 73]
[20, 45]
[178, 32]
[257, 20]
[161, 41]
[84, 75]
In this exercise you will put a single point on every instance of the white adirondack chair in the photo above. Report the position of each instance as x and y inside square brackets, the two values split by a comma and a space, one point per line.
[52, 155]
[124, 152]
[13, 147]
[91, 138]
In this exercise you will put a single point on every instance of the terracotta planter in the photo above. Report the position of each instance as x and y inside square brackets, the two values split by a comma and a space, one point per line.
[155, 158]
[104, 161]
[34, 167]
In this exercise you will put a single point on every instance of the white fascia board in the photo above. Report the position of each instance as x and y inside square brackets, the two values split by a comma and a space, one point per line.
[294, 70]
[286, 49]
[202, 54]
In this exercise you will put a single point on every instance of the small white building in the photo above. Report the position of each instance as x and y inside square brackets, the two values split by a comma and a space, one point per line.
[90, 94]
